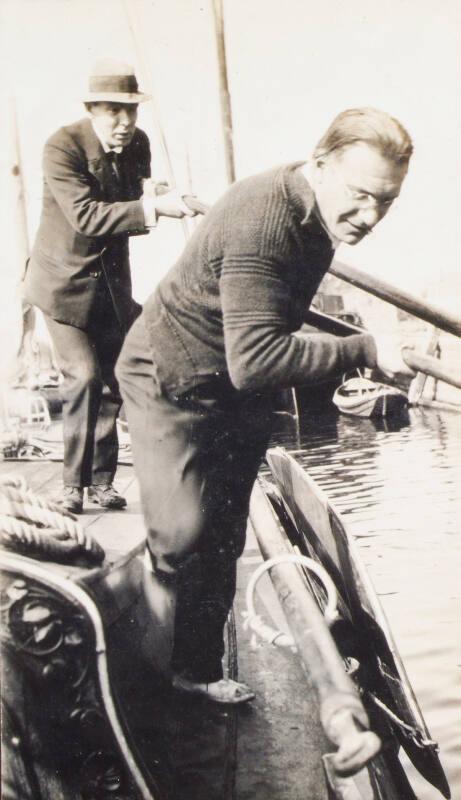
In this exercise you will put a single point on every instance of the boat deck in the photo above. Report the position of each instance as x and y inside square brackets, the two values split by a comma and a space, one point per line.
[267, 750]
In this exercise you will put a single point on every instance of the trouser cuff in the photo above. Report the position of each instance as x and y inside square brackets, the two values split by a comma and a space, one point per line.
[199, 676]
[167, 578]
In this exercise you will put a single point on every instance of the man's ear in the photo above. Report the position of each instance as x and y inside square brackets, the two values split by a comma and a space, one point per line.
[318, 164]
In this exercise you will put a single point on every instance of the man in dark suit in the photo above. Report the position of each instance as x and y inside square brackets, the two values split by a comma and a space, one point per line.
[95, 196]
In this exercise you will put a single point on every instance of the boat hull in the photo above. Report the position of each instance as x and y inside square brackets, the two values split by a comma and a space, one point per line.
[382, 777]
[384, 405]
[362, 632]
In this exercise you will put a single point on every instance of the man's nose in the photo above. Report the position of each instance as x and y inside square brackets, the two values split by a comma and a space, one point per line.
[370, 216]
[124, 117]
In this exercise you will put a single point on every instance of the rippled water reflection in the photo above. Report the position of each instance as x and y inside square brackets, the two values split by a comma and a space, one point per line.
[397, 483]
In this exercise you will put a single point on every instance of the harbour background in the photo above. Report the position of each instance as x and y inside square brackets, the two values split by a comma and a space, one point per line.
[292, 67]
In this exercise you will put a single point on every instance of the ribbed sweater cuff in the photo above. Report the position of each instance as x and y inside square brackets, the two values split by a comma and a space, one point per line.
[358, 350]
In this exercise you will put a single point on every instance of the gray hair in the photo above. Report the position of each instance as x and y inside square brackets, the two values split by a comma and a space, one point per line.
[367, 126]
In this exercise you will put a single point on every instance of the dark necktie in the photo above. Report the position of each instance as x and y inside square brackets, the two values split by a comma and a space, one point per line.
[114, 160]
[118, 174]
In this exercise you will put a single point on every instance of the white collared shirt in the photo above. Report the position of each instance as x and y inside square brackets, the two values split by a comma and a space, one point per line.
[148, 203]
[104, 145]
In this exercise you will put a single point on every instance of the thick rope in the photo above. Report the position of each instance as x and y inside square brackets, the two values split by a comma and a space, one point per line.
[36, 527]
[266, 632]
[25, 495]
[41, 516]
[16, 481]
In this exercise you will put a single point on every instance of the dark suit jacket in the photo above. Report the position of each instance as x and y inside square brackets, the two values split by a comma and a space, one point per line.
[87, 217]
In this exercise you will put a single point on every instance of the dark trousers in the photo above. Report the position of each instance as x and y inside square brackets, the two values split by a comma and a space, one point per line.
[90, 394]
[196, 459]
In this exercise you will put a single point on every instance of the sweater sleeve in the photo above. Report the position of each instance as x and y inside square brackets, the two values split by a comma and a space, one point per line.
[261, 352]
[70, 185]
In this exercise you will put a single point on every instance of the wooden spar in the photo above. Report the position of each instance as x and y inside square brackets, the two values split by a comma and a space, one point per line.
[399, 298]
[385, 291]
[429, 365]
[226, 107]
[21, 236]
[419, 362]
[342, 714]
[418, 384]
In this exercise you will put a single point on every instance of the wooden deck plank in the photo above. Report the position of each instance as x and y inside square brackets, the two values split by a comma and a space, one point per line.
[117, 532]
[40, 475]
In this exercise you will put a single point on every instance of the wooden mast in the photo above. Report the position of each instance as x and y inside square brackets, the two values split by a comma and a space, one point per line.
[225, 99]
[22, 235]
[287, 396]
[21, 242]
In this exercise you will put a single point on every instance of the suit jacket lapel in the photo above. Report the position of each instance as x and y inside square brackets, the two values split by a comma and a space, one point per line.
[95, 155]
[100, 168]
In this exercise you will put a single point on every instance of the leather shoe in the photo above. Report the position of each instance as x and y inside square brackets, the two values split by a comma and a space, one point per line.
[225, 691]
[106, 496]
[72, 499]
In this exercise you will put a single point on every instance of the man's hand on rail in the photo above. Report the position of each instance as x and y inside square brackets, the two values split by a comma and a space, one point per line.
[159, 200]
[389, 356]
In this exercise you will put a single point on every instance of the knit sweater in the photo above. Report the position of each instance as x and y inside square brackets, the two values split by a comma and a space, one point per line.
[230, 306]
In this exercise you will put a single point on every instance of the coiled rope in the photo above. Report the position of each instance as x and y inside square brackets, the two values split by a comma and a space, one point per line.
[266, 632]
[35, 527]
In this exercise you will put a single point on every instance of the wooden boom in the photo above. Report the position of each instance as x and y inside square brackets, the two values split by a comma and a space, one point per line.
[379, 288]
[429, 365]
[399, 298]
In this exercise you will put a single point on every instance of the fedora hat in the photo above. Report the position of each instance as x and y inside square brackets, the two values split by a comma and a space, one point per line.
[113, 82]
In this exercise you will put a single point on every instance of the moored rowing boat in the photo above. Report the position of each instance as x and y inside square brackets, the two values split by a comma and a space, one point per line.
[365, 398]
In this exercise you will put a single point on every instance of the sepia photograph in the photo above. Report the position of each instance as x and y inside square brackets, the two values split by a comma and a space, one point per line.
[230, 407]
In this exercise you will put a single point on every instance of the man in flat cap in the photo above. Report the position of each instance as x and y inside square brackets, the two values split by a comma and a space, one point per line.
[79, 271]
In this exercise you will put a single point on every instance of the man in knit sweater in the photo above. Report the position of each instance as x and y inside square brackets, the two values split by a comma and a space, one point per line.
[214, 341]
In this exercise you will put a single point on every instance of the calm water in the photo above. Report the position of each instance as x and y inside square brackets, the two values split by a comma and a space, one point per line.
[397, 485]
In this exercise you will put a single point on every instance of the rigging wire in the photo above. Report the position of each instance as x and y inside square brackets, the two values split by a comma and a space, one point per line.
[156, 117]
